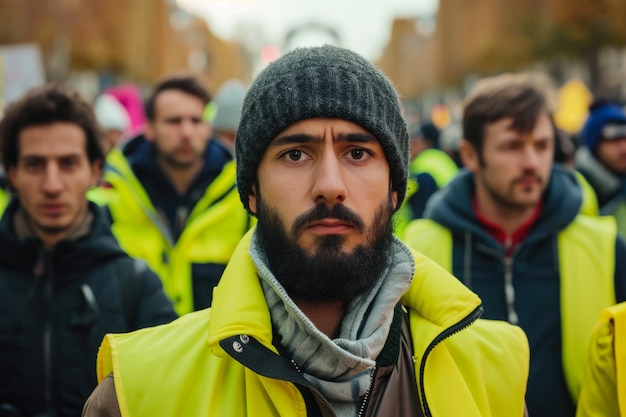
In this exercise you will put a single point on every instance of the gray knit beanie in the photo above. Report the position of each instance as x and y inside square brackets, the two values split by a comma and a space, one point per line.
[228, 100]
[324, 81]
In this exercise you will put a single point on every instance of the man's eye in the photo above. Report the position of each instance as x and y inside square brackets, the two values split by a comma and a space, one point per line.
[32, 163]
[294, 155]
[68, 163]
[357, 153]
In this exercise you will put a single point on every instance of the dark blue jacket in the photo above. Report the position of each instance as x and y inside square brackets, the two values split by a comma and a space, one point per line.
[57, 304]
[480, 262]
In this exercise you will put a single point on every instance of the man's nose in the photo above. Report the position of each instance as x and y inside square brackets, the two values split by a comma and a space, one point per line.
[52, 181]
[329, 181]
[187, 127]
[531, 157]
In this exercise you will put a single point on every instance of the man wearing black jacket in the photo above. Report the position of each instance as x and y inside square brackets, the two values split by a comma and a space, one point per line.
[64, 281]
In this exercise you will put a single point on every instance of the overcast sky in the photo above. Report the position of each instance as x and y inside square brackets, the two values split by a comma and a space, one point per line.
[363, 25]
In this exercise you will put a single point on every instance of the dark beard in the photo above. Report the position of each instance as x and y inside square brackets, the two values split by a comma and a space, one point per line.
[329, 274]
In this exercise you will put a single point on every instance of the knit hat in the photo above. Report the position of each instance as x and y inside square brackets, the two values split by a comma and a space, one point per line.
[600, 115]
[110, 113]
[228, 100]
[323, 81]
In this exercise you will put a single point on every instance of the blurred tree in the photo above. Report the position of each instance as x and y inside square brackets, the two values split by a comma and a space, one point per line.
[137, 40]
[581, 28]
[487, 36]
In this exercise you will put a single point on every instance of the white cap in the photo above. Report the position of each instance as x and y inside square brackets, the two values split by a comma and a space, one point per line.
[110, 113]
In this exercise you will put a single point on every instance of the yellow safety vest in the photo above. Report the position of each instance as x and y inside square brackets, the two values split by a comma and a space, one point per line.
[604, 387]
[590, 201]
[181, 368]
[5, 197]
[587, 265]
[213, 229]
[404, 215]
[437, 163]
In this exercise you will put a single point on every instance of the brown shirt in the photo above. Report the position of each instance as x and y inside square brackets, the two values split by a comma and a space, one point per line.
[103, 400]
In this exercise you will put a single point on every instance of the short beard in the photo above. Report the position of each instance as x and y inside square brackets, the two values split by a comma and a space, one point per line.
[174, 163]
[507, 201]
[329, 274]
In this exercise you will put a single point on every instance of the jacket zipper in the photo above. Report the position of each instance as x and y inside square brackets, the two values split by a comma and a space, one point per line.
[466, 322]
[47, 331]
[366, 396]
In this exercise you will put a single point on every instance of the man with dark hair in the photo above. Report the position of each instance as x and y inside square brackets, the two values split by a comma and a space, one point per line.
[602, 158]
[510, 228]
[321, 310]
[64, 280]
[172, 195]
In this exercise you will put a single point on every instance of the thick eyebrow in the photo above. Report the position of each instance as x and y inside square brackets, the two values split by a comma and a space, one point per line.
[39, 156]
[300, 138]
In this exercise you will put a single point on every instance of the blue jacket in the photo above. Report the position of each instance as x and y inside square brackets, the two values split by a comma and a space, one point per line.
[480, 262]
[57, 304]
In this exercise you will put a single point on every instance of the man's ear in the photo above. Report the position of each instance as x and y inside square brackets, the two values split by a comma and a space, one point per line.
[252, 199]
[96, 172]
[148, 132]
[394, 200]
[11, 172]
[469, 155]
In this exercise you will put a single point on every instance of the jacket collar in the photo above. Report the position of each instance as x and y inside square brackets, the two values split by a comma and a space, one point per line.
[239, 305]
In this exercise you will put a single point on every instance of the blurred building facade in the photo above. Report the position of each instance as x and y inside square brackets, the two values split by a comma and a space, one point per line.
[474, 38]
[98, 43]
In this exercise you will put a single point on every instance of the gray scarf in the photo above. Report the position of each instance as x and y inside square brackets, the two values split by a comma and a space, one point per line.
[341, 368]
[24, 230]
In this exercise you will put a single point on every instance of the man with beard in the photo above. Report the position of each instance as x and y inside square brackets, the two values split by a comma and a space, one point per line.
[172, 196]
[509, 228]
[321, 311]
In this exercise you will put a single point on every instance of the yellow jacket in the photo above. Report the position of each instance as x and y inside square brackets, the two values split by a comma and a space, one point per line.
[604, 387]
[195, 365]
[197, 259]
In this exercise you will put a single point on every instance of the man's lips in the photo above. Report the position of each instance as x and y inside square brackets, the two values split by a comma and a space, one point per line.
[528, 181]
[330, 226]
[53, 207]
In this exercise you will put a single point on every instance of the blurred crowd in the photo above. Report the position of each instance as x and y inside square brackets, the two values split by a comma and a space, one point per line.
[123, 212]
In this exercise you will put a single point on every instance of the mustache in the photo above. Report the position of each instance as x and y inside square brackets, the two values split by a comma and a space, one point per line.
[322, 211]
[527, 175]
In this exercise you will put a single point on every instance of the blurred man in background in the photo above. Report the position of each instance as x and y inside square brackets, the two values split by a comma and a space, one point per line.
[172, 195]
[64, 280]
[427, 156]
[602, 158]
[509, 226]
